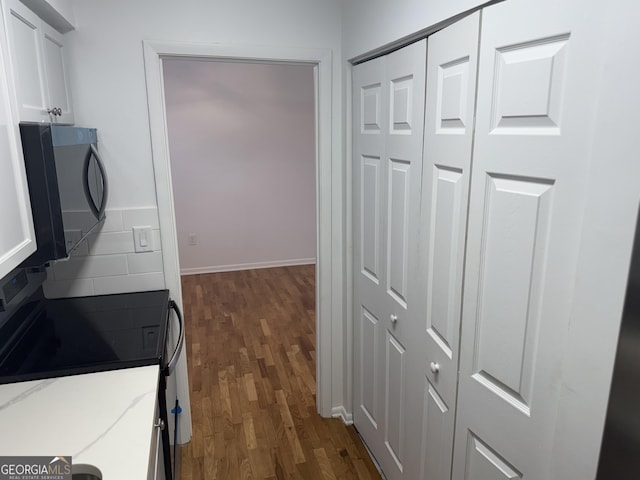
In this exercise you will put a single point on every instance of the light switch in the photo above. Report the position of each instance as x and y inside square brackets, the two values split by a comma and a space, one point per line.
[143, 239]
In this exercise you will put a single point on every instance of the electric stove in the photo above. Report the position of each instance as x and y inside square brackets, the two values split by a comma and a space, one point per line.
[51, 338]
[44, 338]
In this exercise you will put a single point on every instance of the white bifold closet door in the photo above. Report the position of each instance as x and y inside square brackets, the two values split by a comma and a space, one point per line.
[451, 87]
[535, 120]
[388, 116]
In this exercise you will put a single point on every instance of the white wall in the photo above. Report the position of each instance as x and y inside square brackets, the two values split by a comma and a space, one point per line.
[242, 145]
[107, 68]
[370, 24]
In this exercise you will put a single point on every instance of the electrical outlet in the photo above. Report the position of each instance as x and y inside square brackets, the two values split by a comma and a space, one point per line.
[193, 239]
[143, 239]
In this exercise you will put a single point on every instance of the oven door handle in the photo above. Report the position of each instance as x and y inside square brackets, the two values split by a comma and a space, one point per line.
[171, 364]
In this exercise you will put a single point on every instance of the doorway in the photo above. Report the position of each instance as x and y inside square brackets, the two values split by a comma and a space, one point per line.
[242, 146]
[328, 293]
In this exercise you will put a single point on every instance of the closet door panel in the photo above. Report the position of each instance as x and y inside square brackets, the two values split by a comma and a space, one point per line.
[388, 96]
[406, 82]
[370, 269]
[451, 68]
[368, 374]
[406, 76]
[437, 435]
[528, 192]
[394, 438]
[370, 218]
[399, 190]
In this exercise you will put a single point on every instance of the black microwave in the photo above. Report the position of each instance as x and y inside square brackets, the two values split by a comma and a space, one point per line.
[67, 187]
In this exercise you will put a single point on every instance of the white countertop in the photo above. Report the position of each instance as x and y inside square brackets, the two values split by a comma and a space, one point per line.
[104, 419]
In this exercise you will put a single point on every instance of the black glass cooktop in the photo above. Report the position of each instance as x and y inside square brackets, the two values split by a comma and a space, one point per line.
[51, 338]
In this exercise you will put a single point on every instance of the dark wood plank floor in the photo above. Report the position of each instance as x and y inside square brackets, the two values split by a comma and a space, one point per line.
[251, 350]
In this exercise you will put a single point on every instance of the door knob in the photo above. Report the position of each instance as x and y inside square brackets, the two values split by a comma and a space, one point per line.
[435, 367]
[394, 318]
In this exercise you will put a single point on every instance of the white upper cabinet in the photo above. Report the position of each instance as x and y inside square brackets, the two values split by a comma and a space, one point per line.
[56, 74]
[17, 239]
[38, 59]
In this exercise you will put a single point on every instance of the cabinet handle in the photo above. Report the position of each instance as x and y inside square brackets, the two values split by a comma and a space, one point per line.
[394, 318]
[435, 367]
[159, 424]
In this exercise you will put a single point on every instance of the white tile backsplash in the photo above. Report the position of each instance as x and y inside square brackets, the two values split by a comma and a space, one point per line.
[80, 287]
[146, 262]
[90, 267]
[106, 261]
[140, 216]
[110, 243]
[113, 222]
[156, 240]
[130, 283]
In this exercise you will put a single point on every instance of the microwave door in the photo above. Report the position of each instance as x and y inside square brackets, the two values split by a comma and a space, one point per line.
[68, 195]
[77, 217]
[82, 182]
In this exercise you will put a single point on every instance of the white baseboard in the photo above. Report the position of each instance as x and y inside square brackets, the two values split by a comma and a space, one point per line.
[247, 266]
[341, 412]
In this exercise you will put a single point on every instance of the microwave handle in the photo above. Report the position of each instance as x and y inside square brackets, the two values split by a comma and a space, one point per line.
[171, 364]
[99, 213]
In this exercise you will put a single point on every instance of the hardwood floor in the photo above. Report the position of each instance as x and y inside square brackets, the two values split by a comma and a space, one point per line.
[251, 351]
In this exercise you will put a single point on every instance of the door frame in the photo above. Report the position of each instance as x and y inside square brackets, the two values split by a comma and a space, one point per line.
[327, 221]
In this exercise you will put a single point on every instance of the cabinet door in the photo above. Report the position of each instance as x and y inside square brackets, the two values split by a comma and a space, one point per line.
[39, 69]
[57, 84]
[536, 119]
[17, 240]
[27, 59]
